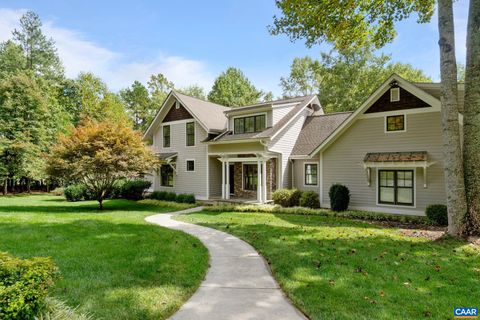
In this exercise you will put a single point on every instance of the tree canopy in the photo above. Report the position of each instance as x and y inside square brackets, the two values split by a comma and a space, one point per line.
[344, 80]
[232, 88]
[98, 154]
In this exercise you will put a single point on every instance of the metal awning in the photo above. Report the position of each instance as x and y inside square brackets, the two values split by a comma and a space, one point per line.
[411, 159]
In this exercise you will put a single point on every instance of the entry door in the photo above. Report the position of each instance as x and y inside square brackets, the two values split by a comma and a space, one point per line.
[231, 172]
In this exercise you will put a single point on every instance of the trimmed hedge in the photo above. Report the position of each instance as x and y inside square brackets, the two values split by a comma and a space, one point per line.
[360, 215]
[24, 285]
[287, 197]
[135, 189]
[309, 199]
[339, 197]
[172, 197]
[437, 214]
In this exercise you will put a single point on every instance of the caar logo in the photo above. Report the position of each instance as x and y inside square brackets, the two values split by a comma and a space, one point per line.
[465, 313]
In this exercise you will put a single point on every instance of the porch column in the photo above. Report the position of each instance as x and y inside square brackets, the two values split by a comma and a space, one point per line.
[264, 180]
[259, 181]
[227, 185]
[223, 179]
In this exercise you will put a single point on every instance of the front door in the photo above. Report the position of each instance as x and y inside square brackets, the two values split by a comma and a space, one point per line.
[231, 172]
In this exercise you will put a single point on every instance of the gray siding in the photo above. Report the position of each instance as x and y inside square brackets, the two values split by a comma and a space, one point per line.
[284, 143]
[299, 175]
[343, 161]
[215, 177]
[185, 182]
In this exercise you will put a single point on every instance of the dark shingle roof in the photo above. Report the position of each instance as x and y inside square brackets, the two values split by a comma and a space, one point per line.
[396, 156]
[315, 130]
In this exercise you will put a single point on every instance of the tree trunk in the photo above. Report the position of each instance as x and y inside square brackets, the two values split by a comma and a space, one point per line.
[453, 160]
[28, 185]
[471, 120]
[5, 186]
[100, 203]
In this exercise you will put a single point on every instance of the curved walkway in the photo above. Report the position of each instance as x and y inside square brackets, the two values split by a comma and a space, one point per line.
[238, 284]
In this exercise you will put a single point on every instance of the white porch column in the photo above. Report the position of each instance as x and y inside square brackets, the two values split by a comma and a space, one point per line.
[223, 179]
[264, 180]
[227, 185]
[259, 181]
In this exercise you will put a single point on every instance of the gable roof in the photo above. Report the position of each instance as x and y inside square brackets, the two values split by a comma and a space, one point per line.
[210, 115]
[271, 132]
[315, 130]
[412, 88]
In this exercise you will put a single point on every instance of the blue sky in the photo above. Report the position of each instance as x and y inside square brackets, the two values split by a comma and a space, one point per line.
[193, 41]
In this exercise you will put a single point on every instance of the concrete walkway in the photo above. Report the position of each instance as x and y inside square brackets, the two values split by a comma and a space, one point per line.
[238, 284]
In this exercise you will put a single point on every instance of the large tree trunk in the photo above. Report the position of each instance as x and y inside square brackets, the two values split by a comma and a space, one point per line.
[471, 120]
[453, 160]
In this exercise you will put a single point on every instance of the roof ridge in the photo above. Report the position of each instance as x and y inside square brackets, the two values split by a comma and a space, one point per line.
[204, 100]
[331, 114]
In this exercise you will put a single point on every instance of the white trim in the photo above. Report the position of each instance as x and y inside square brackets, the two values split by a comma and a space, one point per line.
[419, 93]
[405, 111]
[237, 141]
[248, 116]
[321, 177]
[304, 174]
[186, 165]
[292, 118]
[397, 91]
[414, 184]
[178, 121]
[285, 105]
[395, 131]
[194, 134]
[162, 144]
[207, 164]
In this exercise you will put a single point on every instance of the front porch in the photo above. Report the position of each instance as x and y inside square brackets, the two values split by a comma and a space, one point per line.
[247, 178]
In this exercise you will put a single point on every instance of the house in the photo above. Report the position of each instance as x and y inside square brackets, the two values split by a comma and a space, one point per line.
[388, 152]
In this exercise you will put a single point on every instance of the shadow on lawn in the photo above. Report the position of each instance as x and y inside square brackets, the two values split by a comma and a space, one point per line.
[110, 269]
[346, 270]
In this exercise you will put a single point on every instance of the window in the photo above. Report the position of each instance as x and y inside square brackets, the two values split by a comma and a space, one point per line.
[395, 123]
[394, 94]
[311, 174]
[190, 133]
[249, 124]
[250, 177]
[190, 165]
[395, 187]
[166, 176]
[166, 136]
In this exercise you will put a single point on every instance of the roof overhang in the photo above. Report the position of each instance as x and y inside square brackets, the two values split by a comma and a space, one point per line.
[414, 159]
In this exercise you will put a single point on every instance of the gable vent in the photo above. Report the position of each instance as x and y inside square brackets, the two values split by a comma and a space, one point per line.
[394, 94]
[177, 105]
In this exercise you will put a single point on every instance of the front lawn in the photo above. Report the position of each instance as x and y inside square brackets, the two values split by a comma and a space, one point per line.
[335, 268]
[113, 264]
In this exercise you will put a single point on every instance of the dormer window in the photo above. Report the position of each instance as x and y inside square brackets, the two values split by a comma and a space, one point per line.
[249, 124]
[394, 94]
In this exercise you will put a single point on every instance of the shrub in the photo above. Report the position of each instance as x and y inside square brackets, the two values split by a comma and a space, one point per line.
[287, 197]
[186, 198]
[24, 285]
[57, 192]
[88, 194]
[437, 214]
[116, 192]
[171, 196]
[134, 189]
[158, 195]
[339, 197]
[309, 199]
[74, 192]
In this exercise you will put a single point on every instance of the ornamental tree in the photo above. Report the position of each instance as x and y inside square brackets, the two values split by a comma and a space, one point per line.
[98, 155]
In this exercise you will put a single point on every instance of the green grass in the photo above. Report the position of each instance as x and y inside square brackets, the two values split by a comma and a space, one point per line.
[335, 268]
[114, 265]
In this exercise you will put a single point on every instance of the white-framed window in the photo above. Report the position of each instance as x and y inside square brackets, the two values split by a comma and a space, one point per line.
[190, 134]
[396, 187]
[166, 136]
[166, 176]
[250, 124]
[396, 123]
[190, 165]
[311, 174]
[394, 94]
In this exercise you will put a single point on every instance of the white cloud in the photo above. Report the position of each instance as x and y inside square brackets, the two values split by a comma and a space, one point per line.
[79, 54]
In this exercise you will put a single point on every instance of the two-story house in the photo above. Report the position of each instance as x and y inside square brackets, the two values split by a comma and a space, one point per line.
[388, 152]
